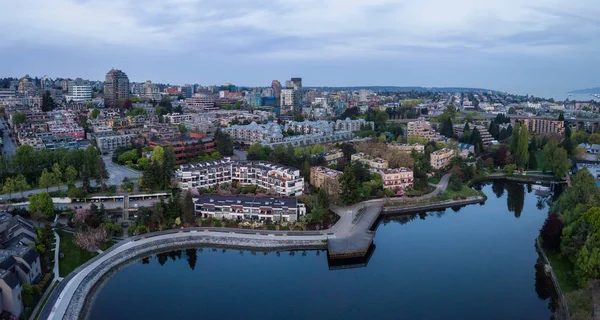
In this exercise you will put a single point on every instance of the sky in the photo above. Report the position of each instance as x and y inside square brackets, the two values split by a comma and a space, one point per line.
[540, 47]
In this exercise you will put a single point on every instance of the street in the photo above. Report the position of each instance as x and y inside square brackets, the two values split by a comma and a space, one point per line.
[9, 145]
[117, 172]
[239, 154]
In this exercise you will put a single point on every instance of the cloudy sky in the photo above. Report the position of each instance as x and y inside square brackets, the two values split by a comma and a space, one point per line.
[542, 47]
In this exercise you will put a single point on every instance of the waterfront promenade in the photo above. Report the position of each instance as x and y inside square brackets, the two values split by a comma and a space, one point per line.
[350, 237]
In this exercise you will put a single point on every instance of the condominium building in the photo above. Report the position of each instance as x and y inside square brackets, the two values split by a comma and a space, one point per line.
[253, 133]
[373, 163]
[283, 180]
[486, 137]
[276, 85]
[325, 178]
[441, 158]
[80, 94]
[394, 179]
[332, 156]
[177, 118]
[423, 129]
[108, 142]
[284, 209]
[287, 100]
[202, 101]
[185, 150]
[407, 148]
[542, 126]
[116, 87]
[352, 125]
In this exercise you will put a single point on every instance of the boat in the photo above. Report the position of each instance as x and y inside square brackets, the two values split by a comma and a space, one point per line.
[539, 187]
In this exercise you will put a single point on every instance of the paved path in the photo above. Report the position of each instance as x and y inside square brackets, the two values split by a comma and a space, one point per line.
[56, 255]
[62, 303]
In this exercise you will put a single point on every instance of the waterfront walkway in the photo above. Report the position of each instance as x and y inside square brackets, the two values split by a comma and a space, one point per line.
[351, 236]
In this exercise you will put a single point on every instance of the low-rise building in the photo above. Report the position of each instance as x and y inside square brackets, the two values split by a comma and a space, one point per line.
[283, 180]
[325, 178]
[253, 208]
[188, 149]
[422, 128]
[373, 163]
[407, 148]
[177, 118]
[543, 126]
[397, 179]
[332, 156]
[108, 142]
[441, 158]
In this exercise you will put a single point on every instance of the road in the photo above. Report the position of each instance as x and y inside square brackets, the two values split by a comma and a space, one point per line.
[239, 154]
[116, 174]
[9, 145]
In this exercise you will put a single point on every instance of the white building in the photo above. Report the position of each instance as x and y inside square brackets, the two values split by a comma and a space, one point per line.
[286, 209]
[287, 99]
[177, 118]
[108, 142]
[283, 180]
[80, 94]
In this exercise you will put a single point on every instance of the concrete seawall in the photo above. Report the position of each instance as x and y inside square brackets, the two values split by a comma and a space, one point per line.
[75, 291]
[431, 206]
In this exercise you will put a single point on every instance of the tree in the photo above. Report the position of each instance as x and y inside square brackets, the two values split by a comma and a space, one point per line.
[18, 118]
[551, 232]
[192, 257]
[349, 186]
[522, 154]
[41, 206]
[21, 184]
[95, 113]
[46, 179]
[27, 295]
[224, 143]
[47, 102]
[70, 174]
[158, 155]
[9, 187]
[514, 139]
[594, 138]
[555, 159]
[578, 137]
[188, 212]
[57, 175]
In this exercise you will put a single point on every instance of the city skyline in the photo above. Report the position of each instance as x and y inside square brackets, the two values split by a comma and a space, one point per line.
[545, 47]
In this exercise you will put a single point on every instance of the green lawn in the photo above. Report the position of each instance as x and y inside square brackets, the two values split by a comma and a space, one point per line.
[434, 180]
[73, 255]
[539, 158]
[464, 192]
[563, 269]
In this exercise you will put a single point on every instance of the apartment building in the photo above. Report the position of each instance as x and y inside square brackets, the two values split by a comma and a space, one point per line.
[283, 180]
[287, 100]
[542, 126]
[441, 158]
[373, 163]
[397, 179]
[407, 148]
[332, 156]
[108, 142]
[253, 208]
[486, 137]
[423, 129]
[116, 87]
[177, 118]
[188, 149]
[325, 178]
[256, 133]
[202, 102]
[79, 94]
[352, 125]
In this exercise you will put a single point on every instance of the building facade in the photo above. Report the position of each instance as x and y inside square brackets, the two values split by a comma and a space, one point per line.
[283, 180]
[325, 178]
[423, 129]
[373, 163]
[116, 87]
[108, 142]
[441, 158]
[407, 148]
[542, 126]
[397, 179]
[275, 209]
[80, 94]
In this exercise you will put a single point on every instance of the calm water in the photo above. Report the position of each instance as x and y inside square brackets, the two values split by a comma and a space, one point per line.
[474, 263]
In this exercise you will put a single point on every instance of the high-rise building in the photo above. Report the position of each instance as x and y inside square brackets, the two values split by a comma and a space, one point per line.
[26, 85]
[116, 87]
[80, 93]
[78, 82]
[288, 100]
[276, 85]
[46, 82]
[297, 85]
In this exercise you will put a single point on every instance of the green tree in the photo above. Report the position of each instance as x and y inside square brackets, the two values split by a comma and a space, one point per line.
[21, 184]
[41, 206]
[594, 138]
[188, 212]
[58, 175]
[27, 295]
[25, 161]
[158, 155]
[555, 159]
[349, 186]
[9, 187]
[578, 137]
[46, 179]
[514, 138]
[18, 118]
[143, 162]
[70, 174]
[522, 154]
[47, 102]
[95, 113]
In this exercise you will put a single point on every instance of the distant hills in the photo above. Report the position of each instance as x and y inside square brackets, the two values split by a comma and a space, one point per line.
[394, 88]
[587, 91]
